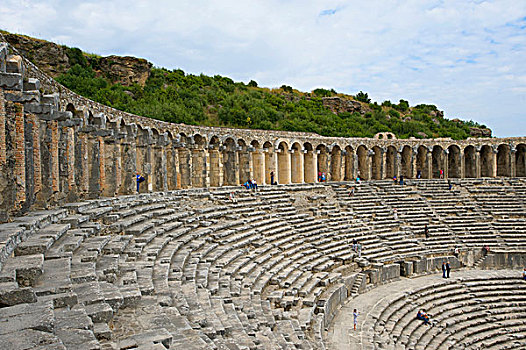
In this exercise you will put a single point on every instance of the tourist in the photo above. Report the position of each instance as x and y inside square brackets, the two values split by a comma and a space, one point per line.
[139, 180]
[355, 318]
[441, 173]
[419, 174]
[355, 245]
[232, 197]
[394, 180]
[323, 178]
[443, 269]
[426, 231]
[272, 178]
[450, 185]
[401, 180]
[359, 247]
[524, 274]
[319, 176]
[254, 185]
[448, 269]
[352, 191]
[395, 213]
[456, 252]
[358, 179]
[247, 185]
[485, 250]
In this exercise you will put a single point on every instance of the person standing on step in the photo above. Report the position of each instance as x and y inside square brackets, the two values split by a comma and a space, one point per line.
[401, 180]
[359, 247]
[426, 231]
[395, 213]
[139, 180]
[449, 184]
[355, 318]
[443, 269]
[441, 173]
[448, 269]
[524, 274]
[272, 178]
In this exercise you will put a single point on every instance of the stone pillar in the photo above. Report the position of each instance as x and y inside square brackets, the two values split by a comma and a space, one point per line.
[185, 167]
[477, 161]
[128, 184]
[310, 173]
[84, 163]
[198, 167]
[462, 164]
[429, 164]
[297, 166]
[494, 162]
[37, 175]
[383, 167]
[3, 153]
[369, 160]
[513, 166]
[274, 164]
[20, 157]
[398, 166]
[159, 163]
[445, 164]
[216, 167]
[284, 165]
[258, 164]
[414, 155]
[207, 168]
[355, 167]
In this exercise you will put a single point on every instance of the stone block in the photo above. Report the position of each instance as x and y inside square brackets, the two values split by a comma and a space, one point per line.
[34, 246]
[149, 338]
[37, 316]
[76, 318]
[99, 312]
[27, 268]
[12, 294]
[78, 339]
[11, 81]
[102, 331]
[23, 96]
[31, 84]
[44, 110]
[406, 268]
[14, 64]
[3, 57]
[52, 99]
[30, 339]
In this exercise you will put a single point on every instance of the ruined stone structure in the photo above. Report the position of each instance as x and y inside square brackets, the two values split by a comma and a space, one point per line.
[184, 266]
[59, 147]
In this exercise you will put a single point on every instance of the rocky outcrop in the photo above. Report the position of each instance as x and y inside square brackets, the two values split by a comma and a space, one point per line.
[479, 132]
[124, 70]
[53, 59]
[339, 105]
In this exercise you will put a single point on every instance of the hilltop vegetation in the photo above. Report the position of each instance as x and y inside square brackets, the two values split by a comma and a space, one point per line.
[174, 96]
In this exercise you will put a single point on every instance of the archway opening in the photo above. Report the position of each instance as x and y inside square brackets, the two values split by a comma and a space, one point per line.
[437, 157]
[486, 161]
[503, 160]
[363, 163]
[376, 166]
[336, 164]
[244, 161]
[390, 162]
[454, 162]
[520, 160]
[349, 163]
[406, 162]
[470, 162]
[421, 162]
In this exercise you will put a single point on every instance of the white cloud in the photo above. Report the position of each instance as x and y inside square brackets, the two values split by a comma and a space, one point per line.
[464, 56]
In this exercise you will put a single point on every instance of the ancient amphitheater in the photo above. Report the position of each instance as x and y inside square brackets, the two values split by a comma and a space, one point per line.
[88, 263]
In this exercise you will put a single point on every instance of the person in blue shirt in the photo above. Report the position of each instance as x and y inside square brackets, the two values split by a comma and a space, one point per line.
[139, 180]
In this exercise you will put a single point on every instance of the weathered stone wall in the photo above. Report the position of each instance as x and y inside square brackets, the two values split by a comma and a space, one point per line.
[57, 147]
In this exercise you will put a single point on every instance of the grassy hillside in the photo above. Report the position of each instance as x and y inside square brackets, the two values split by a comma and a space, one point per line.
[174, 96]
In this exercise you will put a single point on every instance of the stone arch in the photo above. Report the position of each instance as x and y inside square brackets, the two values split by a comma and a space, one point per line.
[486, 161]
[406, 162]
[376, 163]
[520, 160]
[454, 163]
[363, 162]
[421, 161]
[323, 159]
[283, 163]
[310, 168]
[349, 163]
[336, 163]
[297, 172]
[390, 162]
[437, 161]
[470, 162]
[503, 160]
[230, 174]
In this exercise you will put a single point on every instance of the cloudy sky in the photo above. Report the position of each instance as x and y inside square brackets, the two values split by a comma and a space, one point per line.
[466, 57]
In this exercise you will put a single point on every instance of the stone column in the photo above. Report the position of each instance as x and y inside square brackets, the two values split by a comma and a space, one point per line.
[462, 164]
[94, 166]
[355, 167]
[310, 173]
[20, 159]
[513, 166]
[216, 166]
[414, 155]
[494, 162]
[284, 165]
[274, 164]
[258, 164]
[398, 166]
[429, 164]
[207, 168]
[445, 164]
[128, 160]
[383, 167]
[477, 161]
[370, 155]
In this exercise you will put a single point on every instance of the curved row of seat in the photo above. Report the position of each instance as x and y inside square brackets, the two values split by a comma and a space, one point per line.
[193, 268]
